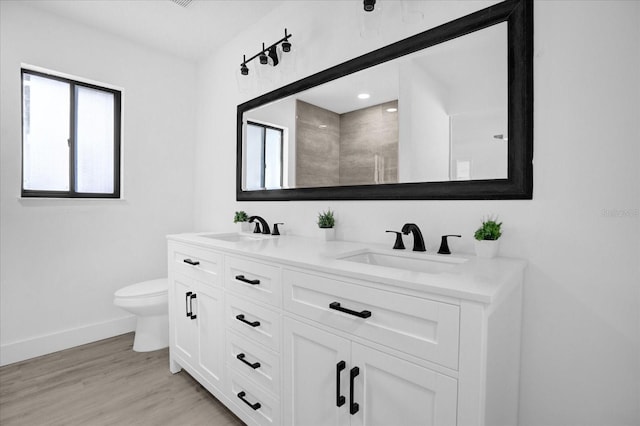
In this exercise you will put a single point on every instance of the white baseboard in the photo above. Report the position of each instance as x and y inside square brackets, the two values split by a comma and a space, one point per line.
[54, 342]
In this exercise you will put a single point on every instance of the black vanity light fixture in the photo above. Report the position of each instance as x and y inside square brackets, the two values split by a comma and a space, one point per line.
[369, 5]
[268, 53]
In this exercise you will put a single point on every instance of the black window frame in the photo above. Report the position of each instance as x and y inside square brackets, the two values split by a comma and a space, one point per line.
[117, 137]
[263, 151]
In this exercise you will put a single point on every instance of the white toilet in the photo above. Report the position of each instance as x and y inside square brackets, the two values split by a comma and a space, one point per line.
[149, 301]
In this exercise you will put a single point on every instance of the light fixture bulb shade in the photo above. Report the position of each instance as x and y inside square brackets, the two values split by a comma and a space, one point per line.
[244, 70]
[286, 46]
[369, 5]
[263, 59]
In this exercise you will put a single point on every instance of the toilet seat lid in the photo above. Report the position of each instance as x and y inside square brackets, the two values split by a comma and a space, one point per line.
[145, 288]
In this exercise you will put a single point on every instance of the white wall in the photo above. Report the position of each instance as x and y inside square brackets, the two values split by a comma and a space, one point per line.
[423, 117]
[62, 260]
[472, 139]
[580, 233]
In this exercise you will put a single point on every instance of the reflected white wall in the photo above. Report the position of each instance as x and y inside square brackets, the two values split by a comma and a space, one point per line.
[424, 126]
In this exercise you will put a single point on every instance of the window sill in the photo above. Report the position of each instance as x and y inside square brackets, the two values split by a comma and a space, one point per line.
[69, 200]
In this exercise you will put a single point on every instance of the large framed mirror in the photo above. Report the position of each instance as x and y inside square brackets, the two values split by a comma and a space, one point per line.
[449, 115]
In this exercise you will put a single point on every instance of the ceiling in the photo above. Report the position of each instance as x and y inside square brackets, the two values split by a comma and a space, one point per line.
[191, 33]
[471, 72]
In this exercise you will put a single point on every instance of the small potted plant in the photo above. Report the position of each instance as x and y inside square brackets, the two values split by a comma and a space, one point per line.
[242, 218]
[486, 238]
[326, 223]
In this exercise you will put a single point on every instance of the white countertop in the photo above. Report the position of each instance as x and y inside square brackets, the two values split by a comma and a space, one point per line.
[477, 279]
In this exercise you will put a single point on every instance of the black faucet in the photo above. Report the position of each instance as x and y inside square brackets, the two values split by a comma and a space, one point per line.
[444, 245]
[398, 245]
[265, 225]
[418, 241]
[276, 231]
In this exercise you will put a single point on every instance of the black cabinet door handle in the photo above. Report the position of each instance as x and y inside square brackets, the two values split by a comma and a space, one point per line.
[339, 398]
[191, 262]
[337, 307]
[193, 296]
[246, 280]
[186, 303]
[255, 406]
[251, 323]
[242, 357]
[354, 406]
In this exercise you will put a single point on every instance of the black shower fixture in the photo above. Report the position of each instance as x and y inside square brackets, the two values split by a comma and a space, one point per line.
[369, 5]
[267, 53]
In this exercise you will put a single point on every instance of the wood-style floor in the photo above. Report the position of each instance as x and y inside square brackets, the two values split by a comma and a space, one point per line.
[105, 383]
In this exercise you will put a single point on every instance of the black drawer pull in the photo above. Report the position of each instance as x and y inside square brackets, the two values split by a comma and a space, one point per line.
[337, 307]
[192, 316]
[252, 324]
[255, 406]
[186, 303]
[191, 262]
[241, 357]
[246, 280]
[354, 406]
[339, 398]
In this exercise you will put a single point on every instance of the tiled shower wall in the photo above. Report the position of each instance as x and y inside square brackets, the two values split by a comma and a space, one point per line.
[355, 148]
[369, 145]
[317, 146]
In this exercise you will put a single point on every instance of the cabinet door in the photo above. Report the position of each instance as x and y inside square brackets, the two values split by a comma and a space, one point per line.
[311, 371]
[391, 391]
[210, 312]
[184, 327]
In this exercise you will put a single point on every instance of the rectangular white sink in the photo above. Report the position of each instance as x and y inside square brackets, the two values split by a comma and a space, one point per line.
[408, 261]
[236, 237]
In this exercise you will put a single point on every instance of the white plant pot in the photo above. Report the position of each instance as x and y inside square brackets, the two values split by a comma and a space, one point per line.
[487, 248]
[244, 226]
[327, 234]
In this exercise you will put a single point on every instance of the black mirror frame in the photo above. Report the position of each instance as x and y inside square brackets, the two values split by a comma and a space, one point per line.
[519, 183]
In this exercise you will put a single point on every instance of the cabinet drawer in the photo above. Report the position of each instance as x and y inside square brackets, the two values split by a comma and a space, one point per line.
[200, 264]
[263, 408]
[256, 280]
[259, 364]
[257, 323]
[423, 328]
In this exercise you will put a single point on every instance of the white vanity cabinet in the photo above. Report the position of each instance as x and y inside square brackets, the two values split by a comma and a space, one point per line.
[330, 380]
[254, 333]
[283, 332]
[331, 376]
[196, 307]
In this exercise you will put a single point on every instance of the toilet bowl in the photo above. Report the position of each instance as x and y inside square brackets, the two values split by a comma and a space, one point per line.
[149, 302]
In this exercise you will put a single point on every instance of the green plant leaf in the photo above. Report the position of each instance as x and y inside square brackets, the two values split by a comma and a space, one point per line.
[326, 219]
[490, 230]
[240, 216]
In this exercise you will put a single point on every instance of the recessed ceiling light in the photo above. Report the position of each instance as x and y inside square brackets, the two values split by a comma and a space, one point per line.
[392, 109]
[364, 96]
[323, 126]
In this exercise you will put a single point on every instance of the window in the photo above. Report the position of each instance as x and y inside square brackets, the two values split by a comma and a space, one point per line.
[70, 138]
[264, 156]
